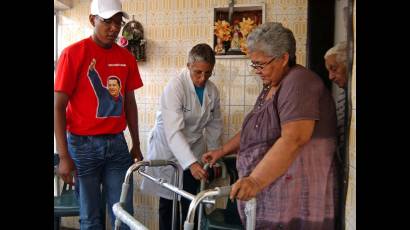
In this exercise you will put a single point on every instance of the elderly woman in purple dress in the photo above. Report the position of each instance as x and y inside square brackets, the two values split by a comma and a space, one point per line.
[286, 147]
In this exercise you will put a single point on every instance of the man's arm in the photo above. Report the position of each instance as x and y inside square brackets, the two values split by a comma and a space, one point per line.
[171, 106]
[66, 165]
[131, 113]
[95, 79]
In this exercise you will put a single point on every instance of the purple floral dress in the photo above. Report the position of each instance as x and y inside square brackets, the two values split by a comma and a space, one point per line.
[304, 197]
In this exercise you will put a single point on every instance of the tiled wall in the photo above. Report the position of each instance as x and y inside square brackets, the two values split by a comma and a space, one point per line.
[351, 192]
[171, 28]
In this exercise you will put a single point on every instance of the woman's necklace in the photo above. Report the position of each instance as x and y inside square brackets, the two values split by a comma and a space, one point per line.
[265, 92]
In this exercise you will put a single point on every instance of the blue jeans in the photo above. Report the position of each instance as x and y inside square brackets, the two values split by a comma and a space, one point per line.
[100, 160]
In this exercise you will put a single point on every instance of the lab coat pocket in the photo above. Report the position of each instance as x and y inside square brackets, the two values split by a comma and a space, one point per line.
[208, 115]
[185, 108]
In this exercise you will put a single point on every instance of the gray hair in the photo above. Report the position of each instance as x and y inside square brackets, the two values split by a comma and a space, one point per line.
[274, 40]
[340, 50]
[201, 52]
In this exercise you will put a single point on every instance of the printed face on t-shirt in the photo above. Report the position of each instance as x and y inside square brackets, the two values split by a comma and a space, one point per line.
[113, 87]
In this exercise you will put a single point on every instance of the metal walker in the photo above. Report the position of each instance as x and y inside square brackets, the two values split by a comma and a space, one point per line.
[207, 197]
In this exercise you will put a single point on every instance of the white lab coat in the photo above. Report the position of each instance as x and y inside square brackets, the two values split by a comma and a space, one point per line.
[178, 133]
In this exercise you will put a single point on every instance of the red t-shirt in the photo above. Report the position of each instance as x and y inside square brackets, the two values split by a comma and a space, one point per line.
[92, 110]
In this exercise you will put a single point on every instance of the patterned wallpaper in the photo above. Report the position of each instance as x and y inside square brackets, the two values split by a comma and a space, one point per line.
[171, 28]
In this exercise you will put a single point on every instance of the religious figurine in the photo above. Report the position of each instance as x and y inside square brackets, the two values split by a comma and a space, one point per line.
[219, 48]
[235, 43]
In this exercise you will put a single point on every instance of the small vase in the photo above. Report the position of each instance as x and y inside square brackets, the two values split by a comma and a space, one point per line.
[227, 45]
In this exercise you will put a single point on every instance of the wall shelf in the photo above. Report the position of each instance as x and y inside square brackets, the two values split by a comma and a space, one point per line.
[231, 56]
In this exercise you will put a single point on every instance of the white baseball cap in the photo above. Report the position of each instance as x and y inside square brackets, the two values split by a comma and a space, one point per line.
[107, 8]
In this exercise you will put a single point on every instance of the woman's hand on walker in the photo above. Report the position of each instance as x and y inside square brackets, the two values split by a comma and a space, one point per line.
[212, 156]
[245, 189]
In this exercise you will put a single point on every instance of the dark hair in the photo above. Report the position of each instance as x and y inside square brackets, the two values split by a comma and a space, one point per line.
[201, 52]
[115, 78]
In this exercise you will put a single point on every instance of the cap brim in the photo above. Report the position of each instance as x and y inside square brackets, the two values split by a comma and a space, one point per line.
[109, 14]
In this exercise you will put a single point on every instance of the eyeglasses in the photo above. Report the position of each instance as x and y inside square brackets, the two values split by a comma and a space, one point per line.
[260, 67]
[109, 21]
[199, 73]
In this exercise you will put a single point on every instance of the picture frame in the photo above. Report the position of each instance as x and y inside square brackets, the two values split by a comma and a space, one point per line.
[253, 13]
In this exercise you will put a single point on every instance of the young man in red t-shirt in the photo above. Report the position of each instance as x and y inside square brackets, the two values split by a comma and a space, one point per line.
[94, 102]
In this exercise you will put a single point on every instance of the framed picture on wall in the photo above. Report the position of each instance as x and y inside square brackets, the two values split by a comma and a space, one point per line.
[232, 25]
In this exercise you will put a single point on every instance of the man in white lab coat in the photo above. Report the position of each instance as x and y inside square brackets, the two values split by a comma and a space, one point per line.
[188, 123]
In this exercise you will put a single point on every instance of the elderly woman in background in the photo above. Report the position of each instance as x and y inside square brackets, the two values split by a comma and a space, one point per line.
[336, 64]
[286, 147]
[335, 60]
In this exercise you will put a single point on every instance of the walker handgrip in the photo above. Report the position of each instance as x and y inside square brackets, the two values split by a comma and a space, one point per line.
[157, 163]
[224, 191]
[188, 226]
